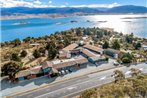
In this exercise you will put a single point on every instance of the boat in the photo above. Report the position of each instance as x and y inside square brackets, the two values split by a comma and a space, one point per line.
[73, 21]
[58, 23]
[102, 21]
[126, 21]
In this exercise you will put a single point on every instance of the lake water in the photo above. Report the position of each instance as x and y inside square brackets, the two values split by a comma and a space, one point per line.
[36, 27]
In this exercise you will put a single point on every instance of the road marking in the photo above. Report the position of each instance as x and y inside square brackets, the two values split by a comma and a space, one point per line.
[102, 78]
[43, 95]
[73, 87]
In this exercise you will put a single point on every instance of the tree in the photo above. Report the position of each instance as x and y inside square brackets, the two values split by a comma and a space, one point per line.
[23, 53]
[17, 42]
[66, 41]
[79, 32]
[11, 69]
[116, 45]
[15, 57]
[42, 50]
[99, 34]
[52, 52]
[105, 45]
[129, 38]
[27, 39]
[127, 58]
[36, 54]
[118, 75]
[51, 44]
[137, 45]
[135, 72]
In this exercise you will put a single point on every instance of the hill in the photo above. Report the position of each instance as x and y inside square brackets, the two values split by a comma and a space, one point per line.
[69, 10]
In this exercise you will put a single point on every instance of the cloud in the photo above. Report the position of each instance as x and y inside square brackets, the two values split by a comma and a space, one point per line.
[98, 5]
[39, 4]
[22, 3]
[49, 2]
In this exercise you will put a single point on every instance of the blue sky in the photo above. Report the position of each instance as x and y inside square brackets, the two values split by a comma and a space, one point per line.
[71, 3]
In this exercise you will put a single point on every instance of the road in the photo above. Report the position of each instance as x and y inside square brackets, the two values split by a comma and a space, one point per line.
[73, 87]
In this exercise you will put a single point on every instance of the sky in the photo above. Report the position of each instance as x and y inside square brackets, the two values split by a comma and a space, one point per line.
[70, 3]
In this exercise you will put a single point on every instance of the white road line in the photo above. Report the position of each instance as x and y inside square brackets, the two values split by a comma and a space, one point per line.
[73, 87]
[65, 88]
[85, 89]
[102, 78]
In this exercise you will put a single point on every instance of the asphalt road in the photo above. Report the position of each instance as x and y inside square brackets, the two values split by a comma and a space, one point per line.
[73, 87]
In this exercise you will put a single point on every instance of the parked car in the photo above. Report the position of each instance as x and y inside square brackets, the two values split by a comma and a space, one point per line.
[115, 63]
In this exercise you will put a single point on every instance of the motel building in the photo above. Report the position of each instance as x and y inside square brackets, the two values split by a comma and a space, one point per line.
[70, 59]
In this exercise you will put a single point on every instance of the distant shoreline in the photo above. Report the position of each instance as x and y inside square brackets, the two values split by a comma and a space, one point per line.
[25, 16]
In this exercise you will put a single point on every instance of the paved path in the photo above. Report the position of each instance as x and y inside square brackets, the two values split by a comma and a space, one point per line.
[73, 87]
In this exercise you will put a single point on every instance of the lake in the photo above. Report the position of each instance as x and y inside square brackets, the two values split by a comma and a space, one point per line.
[36, 27]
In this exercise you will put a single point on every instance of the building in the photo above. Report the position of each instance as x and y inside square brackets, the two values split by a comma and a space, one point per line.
[113, 53]
[96, 59]
[22, 75]
[87, 53]
[66, 52]
[70, 47]
[93, 48]
[29, 73]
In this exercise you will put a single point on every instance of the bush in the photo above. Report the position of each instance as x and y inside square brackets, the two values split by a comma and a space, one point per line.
[23, 53]
[36, 54]
[15, 57]
[88, 93]
[126, 60]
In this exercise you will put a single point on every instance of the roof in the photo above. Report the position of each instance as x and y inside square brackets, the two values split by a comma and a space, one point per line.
[23, 73]
[92, 47]
[77, 60]
[70, 47]
[81, 60]
[54, 70]
[62, 53]
[87, 52]
[35, 44]
[47, 64]
[64, 64]
[36, 70]
[113, 51]
[95, 58]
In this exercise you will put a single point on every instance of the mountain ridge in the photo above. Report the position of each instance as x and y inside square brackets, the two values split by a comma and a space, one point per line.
[69, 10]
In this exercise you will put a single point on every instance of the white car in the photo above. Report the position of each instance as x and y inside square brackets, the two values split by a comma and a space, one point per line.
[115, 63]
